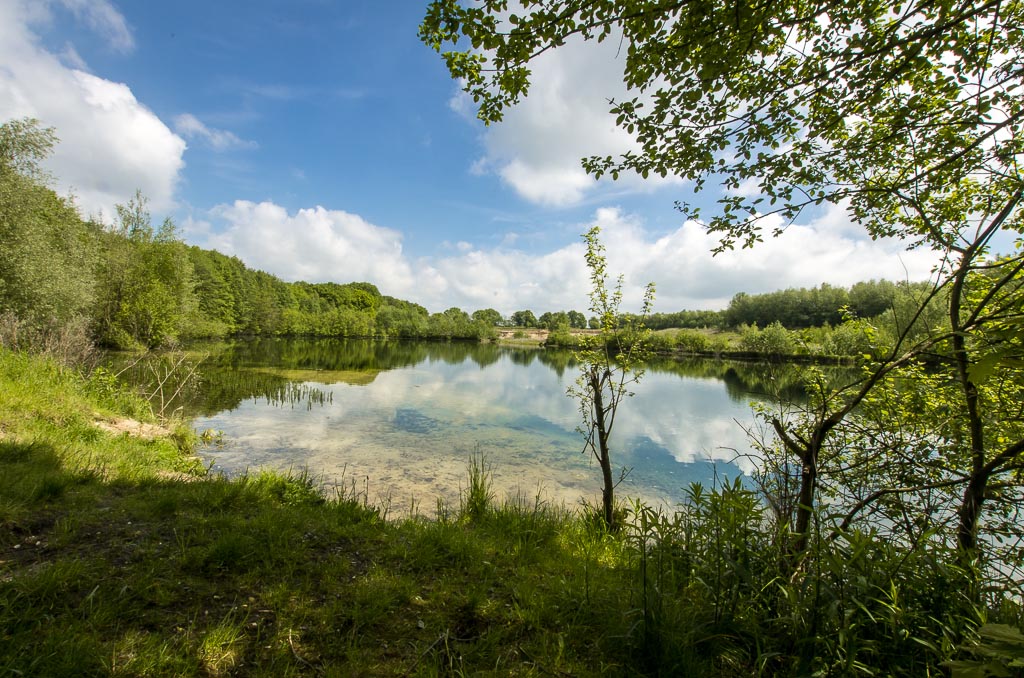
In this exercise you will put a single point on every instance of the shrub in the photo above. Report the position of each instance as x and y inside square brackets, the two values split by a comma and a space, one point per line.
[854, 338]
[774, 340]
[692, 342]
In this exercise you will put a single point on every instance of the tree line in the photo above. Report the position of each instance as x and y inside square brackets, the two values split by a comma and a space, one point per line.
[132, 284]
[794, 308]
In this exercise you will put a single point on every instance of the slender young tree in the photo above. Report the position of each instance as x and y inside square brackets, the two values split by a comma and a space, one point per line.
[610, 365]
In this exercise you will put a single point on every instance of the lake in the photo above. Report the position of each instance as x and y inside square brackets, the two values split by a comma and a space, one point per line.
[399, 420]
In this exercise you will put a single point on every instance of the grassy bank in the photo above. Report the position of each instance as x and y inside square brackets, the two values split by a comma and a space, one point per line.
[120, 556]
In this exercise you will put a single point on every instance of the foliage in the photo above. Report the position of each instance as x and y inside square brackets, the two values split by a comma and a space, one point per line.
[46, 272]
[554, 321]
[605, 377]
[908, 119]
[692, 342]
[806, 99]
[524, 318]
[773, 341]
[23, 146]
[488, 316]
[998, 651]
[140, 287]
[854, 337]
[145, 285]
[577, 320]
[693, 320]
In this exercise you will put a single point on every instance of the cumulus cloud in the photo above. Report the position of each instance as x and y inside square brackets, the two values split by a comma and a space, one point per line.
[190, 127]
[110, 143]
[537, 148]
[680, 264]
[314, 244]
[320, 244]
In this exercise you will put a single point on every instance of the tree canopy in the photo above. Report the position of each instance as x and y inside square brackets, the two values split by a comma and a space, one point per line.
[908, 115]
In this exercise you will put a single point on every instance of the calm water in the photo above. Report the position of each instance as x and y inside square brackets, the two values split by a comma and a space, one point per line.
[401, 419]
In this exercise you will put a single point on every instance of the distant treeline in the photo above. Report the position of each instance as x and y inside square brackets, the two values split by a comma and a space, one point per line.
[234, 299]
[131, 284]
[801, 308]
[796, 308]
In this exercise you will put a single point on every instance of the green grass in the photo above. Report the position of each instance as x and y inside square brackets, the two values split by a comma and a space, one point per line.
[122, 557]
[119, 556]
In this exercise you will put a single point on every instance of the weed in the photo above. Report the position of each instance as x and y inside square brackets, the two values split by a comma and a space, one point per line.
[477, 497]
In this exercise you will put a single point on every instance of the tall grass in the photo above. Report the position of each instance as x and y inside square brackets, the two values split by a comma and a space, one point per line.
[120, 556]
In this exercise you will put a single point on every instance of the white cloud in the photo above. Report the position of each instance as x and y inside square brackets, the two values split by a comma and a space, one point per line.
[314, 245]
[319, 244]
[72, 58]
[110, 144]
[537, 147]
[679, 263]
[103, 18]
[190, 127]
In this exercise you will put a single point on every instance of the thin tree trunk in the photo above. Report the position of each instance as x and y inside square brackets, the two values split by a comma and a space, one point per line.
[974, 493]
[604, 457]
[805, 505]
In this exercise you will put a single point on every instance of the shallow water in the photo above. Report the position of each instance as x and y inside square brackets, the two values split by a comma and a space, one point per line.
[399, 420]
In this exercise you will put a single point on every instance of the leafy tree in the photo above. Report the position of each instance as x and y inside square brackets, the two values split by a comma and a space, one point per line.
[773, 341]
[524, 318]
[806, 98]
[577, 320]
[685, 320]
[146, 284]
[215, 292]
[46, 269]
[401, 318]
[554, 320]
[23, 146]
[488, 316]
[906, 116]
[609, 366]
[872, 298]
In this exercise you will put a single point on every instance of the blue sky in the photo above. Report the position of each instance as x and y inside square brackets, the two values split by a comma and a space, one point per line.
[320, 140]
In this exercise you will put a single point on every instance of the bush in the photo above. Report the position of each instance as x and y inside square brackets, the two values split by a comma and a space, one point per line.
[562, 337]
[68, 344]
[854, 338]
[661, 343]
[692, 342]
[774, 340]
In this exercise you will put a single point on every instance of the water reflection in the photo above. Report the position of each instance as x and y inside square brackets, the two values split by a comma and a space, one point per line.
[403, 417]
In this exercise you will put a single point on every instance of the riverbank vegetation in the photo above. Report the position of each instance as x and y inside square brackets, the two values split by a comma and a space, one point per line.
[908, 123]
[131, 285]
[879, 533]
[122, 556]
